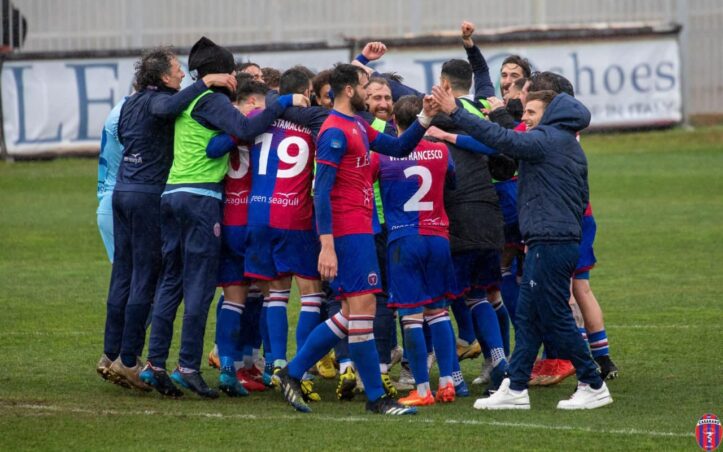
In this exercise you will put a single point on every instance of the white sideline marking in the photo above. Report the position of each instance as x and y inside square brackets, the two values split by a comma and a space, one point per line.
[639, 326]
[51, 333]
[569, 428]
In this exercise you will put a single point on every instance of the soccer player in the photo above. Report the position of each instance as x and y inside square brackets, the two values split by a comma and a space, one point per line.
[553, 195]
[281, 241]
[343, 198]
[379, 116]
[191, 222]
[499, 166]
[250, 96]
[421, 274]
[476, 234]
[589, 307]
[145, 129]
[111, 152]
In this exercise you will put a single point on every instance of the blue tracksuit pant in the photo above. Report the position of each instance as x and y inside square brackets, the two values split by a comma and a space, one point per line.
[191, 231]
[542, 309]
[136, 269]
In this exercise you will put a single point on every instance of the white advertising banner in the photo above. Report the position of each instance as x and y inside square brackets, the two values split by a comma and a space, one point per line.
[60, 105]
[624, 83]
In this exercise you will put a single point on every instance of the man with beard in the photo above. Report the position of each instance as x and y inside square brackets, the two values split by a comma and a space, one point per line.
[475, 227]
[145, 130]
[343, 198]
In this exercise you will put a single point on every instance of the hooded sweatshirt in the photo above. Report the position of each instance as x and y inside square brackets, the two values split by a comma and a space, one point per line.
[553, 186]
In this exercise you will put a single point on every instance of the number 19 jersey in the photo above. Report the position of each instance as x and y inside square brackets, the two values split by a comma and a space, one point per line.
[282, 162]
[413, 190]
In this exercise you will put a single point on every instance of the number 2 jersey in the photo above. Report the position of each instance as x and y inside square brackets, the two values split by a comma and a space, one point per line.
[412, 190]
[282, 162]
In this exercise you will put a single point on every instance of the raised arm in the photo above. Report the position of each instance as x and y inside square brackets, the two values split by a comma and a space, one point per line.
[483, 87]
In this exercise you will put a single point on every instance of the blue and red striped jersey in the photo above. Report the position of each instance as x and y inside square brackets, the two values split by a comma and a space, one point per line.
[282, 159]
[352, 196]
[413, 190]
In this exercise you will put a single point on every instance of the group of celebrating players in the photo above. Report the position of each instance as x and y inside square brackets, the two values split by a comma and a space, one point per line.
[380, 202]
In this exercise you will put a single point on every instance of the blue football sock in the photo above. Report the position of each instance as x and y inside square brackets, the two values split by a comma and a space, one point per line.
[318, 344]
[464, 320]
[277, 324]
[485, 349]
[443, 339]
[228, 332]
[503, 318]
[485, 322]
[309, 317]
[363, 352]
[416, 349]
[599, 343]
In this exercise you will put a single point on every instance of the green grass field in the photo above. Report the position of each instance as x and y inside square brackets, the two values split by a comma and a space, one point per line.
[658, 201]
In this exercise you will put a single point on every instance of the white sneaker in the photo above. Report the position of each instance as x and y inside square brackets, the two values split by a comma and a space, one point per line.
[505, 399]
[484, 375]
[586, 398]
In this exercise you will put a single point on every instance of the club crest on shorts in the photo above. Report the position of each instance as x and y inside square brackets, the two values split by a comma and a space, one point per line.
[708, 432]
[372, 279]
[217, 230]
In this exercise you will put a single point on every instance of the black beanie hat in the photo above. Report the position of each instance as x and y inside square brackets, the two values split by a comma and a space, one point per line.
[208, 58]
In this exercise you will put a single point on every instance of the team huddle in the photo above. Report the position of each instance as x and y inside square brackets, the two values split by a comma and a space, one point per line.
[384, 205]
